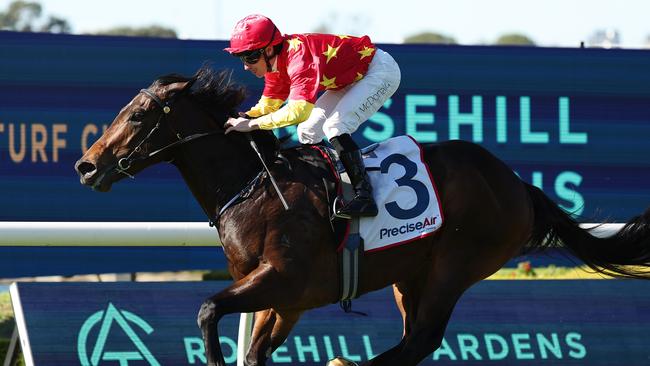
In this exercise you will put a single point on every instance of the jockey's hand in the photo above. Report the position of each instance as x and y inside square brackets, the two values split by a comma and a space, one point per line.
[241, 124]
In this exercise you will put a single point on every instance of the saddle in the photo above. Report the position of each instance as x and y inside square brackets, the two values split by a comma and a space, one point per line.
[322, 158]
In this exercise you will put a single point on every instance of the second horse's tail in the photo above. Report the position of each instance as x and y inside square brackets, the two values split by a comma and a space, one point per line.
[624, 254]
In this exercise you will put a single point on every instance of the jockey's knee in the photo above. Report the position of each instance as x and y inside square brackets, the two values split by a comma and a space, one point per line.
[311, 130]
[336, 127]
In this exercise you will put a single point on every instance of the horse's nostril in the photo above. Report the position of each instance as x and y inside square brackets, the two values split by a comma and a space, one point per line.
[84, 167]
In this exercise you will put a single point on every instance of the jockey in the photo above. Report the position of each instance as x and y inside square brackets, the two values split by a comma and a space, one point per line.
[356, 78]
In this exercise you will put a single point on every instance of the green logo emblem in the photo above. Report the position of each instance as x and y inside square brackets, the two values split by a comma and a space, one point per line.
[107, 318]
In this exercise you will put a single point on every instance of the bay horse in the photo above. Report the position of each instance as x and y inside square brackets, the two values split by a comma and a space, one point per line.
[284, 261]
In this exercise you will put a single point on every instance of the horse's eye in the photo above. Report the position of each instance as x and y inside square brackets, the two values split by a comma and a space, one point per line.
[137, 116]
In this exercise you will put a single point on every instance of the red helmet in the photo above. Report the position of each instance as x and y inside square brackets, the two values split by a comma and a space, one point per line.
[253, 33]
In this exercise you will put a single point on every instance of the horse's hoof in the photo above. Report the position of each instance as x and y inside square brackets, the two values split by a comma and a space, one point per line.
[340, 361]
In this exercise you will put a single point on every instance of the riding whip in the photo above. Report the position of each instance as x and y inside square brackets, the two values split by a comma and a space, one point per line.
[259, 155]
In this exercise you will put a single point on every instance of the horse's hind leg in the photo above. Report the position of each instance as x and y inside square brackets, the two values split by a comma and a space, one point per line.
[400, 301]
[425, 327]
[270, 330]
[427, 331]
[262, 328]
[452, 272]
[407, 296]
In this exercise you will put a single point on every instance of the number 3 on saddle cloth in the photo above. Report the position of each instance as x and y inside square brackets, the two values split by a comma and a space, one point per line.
[404, 191]
[405, 194]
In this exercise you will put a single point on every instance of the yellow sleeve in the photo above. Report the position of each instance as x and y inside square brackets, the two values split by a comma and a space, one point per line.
[294, 112]
[266, 105]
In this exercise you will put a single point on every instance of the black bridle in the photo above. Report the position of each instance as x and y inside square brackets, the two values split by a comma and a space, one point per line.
[125, 163]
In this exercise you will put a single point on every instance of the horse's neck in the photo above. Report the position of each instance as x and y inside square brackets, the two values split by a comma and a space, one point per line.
[215, 178]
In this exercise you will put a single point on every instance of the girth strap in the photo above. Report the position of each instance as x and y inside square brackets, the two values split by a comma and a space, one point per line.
[349, 257]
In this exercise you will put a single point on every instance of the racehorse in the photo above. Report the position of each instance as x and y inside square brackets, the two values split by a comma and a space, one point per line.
[284, 261]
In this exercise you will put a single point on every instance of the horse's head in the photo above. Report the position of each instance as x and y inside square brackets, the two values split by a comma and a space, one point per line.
[173, 111]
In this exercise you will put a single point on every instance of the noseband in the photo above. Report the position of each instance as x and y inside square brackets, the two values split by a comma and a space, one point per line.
[125, 163]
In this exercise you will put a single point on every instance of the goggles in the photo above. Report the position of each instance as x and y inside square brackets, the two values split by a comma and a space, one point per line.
[251, 57]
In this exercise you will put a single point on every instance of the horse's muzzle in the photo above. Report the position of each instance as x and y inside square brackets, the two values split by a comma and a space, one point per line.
[90, 176]
[86, 170]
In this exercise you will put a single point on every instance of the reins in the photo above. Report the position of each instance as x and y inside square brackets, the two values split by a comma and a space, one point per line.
[125, 163]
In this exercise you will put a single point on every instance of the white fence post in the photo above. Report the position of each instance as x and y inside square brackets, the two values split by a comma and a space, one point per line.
[244, 336]
[12, 351]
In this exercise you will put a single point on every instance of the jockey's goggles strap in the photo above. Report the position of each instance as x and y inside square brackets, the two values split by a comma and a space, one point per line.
[269, 67]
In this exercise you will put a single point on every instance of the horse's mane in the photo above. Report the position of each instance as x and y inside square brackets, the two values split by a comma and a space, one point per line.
[214, 90]
[217, 93]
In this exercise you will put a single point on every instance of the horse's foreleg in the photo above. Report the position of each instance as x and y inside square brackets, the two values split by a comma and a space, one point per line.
[259, 290]
[269, 332]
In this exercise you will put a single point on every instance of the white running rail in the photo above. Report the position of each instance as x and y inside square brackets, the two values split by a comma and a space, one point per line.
[25, 233]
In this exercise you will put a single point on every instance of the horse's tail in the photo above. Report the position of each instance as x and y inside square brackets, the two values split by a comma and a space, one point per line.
[615, 256]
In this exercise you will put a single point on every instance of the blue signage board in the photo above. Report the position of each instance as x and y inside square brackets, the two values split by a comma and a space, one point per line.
[572, 121]
[594, 322]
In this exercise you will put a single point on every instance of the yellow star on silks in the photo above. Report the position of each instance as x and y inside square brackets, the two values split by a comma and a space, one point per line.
[294, 43]
[328, 83]
[331, 52]
[343, 36]
[367, 51]
[359, 77]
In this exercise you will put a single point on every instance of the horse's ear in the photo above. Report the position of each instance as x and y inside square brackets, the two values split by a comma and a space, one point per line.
[176, 88]
[189, 84]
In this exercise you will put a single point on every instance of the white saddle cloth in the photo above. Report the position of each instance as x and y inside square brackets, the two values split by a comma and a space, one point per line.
[405, 194]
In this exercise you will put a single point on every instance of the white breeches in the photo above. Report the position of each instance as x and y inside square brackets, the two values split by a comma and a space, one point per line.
[342, 111]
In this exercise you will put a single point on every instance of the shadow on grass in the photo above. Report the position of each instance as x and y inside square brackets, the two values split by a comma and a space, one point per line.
[6, 329]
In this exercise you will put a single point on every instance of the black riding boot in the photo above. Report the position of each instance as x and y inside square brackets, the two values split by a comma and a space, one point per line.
[363, 203]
